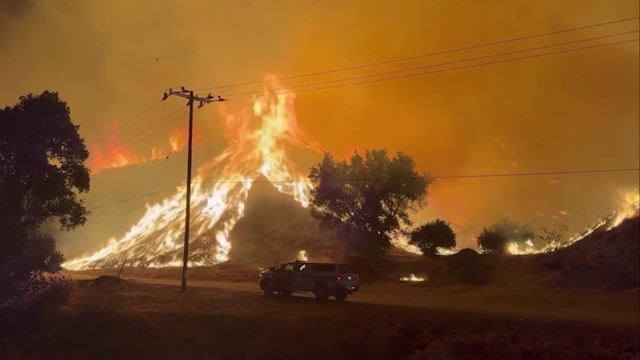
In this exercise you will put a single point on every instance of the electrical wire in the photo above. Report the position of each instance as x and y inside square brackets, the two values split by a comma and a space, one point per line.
[429, 54]
[130, 140]
[395, 60]
[376, 78]
[367, 179]
[422, 67]
[367, 80]
[130, 120]
[371, 78]
[131, 198]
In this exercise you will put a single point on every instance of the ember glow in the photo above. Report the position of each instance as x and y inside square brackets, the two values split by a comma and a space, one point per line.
[413, 278]
[258, 143]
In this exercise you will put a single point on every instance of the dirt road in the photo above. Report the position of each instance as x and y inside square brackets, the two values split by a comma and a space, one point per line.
[620, 308]
[148, 318]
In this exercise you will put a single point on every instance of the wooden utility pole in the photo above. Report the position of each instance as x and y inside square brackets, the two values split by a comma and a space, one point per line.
[188, 94]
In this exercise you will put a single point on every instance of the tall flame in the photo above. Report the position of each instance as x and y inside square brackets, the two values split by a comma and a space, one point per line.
[258, 140]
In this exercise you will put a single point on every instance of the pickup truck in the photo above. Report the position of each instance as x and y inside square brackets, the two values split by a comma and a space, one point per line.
[323, 279]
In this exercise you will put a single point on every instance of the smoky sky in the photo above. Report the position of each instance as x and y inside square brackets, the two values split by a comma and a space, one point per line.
[14, 7]
[110, 59]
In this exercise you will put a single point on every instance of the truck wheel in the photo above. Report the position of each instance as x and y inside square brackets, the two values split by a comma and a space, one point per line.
[267, 288]
[341, 295]
[322, 292]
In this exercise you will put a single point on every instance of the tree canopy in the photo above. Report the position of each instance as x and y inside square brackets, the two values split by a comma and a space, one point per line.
[432, 236]
[368, 198]
[496, 238]
[42, 172]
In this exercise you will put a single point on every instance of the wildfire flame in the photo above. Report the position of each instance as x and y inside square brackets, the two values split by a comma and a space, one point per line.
[302, 255]
[258, 143]
[258, 140]
[413, 278]
[116, 153]
[629, 207]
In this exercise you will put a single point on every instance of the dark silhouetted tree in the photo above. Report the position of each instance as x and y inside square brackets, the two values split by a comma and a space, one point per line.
[492, 241]
[41, 174]
[369, 197]
[432, 236]
[496, 238]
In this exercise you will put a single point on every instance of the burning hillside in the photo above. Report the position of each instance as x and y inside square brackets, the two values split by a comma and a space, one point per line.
[259, 140]
[607, 258]
[629, 208]
[258, 143]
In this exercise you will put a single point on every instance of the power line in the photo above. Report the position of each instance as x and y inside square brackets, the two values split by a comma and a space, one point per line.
[309, 88]
[130, 198]
[396, 60]
[435, 53]
[101, 158]
[422, 67]
[131, 119]
[463, 176]
[539, 173]
[182, 116]
[363, 179]
[306, 87]
[129, 140]
[367, 80]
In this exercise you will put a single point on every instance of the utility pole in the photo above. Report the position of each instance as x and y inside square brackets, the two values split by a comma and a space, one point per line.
[188, 94]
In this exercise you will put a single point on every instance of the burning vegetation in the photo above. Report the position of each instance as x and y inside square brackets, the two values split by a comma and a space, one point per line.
[629, 208]
[258, 142]
[412, 278]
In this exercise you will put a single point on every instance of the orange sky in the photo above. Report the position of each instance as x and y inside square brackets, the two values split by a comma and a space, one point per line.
[111, 59]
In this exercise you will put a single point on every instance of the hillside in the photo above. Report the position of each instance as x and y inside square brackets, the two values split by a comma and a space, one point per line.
[606, 259]
[275, 228]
